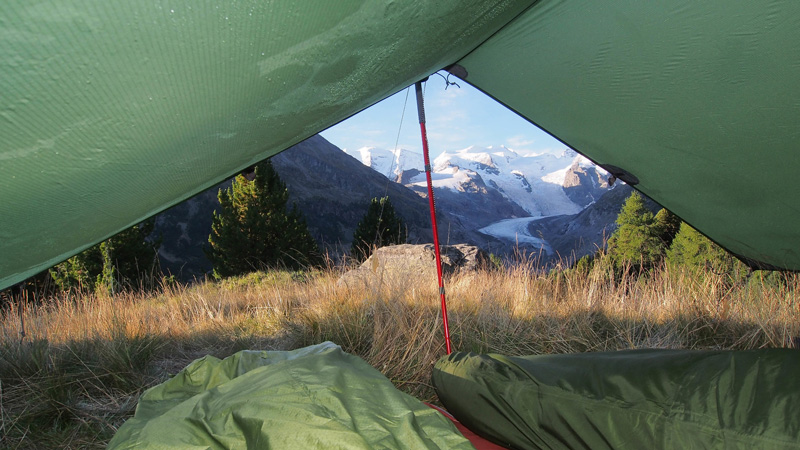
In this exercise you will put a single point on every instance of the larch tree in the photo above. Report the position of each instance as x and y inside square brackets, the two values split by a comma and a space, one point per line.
[668, 226]
[128, 260]
[637, 243]
[692, 250]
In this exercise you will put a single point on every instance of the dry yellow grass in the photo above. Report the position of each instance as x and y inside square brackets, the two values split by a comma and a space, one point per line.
[85, 359]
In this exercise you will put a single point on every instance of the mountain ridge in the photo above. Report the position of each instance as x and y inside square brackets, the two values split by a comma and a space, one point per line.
[542, 184]
[333, 192]
[473, 197]
[497, 188]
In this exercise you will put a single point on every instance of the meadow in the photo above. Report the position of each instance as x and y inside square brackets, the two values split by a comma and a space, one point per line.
[77, 373]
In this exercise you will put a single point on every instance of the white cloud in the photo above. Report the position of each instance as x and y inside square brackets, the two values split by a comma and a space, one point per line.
[449, 116]
[519, 142]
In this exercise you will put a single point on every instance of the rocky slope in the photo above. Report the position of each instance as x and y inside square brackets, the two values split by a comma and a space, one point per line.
[494, 190]
[333, 190]
[574, 235]
[496, 199]
[509, 184]
[330, 188]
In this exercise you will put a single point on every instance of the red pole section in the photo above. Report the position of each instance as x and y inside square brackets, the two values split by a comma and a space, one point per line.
[431, 203]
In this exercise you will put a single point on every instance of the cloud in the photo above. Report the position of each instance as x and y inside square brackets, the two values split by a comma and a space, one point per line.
[437, 97]
[447, 141]
[519, 142]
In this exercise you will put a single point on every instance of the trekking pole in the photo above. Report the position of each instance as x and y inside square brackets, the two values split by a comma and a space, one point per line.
[421, 113]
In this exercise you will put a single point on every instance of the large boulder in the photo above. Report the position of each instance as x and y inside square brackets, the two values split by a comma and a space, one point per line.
[407, 262]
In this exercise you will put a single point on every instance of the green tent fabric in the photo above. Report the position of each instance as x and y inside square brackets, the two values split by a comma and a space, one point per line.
[113, 111]
[638, 399]
[315, 397]
[698, 101]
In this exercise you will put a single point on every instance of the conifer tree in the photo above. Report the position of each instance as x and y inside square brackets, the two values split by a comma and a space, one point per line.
[696, 252]
[107, 279]
[253, 230]
[668, 226]
[380, 226]
[585, 263]
[637, 241]
[130, 264]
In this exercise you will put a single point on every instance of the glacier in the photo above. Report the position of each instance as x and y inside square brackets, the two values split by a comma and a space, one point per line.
[537, 182]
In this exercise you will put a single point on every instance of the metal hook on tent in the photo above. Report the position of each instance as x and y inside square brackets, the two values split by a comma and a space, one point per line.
[447, 82]
[431, 203]
[616, 173]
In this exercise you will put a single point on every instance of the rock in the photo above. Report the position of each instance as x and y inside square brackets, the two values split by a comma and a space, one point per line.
[407, 262]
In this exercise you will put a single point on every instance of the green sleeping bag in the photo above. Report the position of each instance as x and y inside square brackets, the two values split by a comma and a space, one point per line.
[315, 397]
[638, 399]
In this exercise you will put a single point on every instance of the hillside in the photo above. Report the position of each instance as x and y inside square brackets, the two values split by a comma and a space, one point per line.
[496, 199]
[547, 204]
[592, 226]
[333, 190]
[330, 188]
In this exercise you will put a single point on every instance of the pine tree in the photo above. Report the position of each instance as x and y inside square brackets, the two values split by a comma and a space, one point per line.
[637, 242]
[668, 226]
[693, 250]
[132, 262]
[380, 226]
[253, 230]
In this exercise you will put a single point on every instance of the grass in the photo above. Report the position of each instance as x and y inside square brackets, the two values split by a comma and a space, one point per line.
[76, 375]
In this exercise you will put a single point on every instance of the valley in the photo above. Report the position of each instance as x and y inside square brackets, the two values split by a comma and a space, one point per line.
[495, 198]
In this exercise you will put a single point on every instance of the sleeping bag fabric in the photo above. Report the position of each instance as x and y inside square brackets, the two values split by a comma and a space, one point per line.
[315, 397]
[638, 399]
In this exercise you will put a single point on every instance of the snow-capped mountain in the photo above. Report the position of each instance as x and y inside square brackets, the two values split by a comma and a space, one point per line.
[541, 184]
[498, 190]
[331, 189]
[528, 181]
[389, 163]
[477, 194]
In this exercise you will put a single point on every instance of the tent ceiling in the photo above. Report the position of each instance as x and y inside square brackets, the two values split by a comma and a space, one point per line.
[698, 100]
[112, 112]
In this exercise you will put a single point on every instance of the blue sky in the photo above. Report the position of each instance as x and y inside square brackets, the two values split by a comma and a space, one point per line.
[456, 118]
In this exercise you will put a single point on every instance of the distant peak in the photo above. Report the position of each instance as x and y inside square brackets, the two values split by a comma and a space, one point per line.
[569, 153]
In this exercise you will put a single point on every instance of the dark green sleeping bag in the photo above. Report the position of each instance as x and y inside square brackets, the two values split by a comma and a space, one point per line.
[638, 399]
